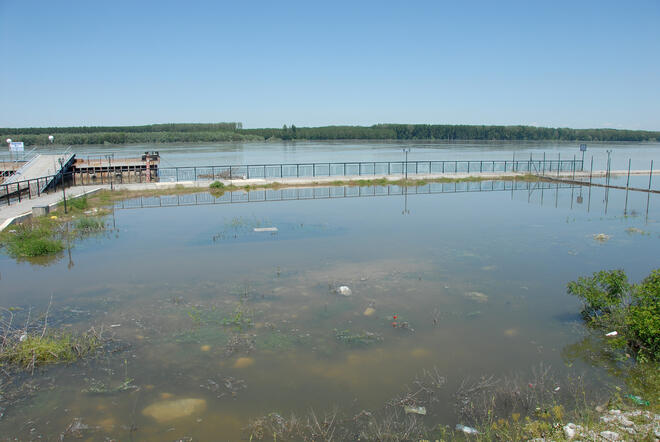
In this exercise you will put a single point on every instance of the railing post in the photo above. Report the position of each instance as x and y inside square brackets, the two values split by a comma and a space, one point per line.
[468, 166]
[195, 172]
[18, 187]
[8, 199]
[650, 174]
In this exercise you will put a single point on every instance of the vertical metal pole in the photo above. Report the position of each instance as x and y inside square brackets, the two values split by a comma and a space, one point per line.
[195, 172]
[573, 166]
[282, 170]
[468, 166]
[558, 163]
[628, 182]
[591, 171]
[18, 188]
[481, 166]
[650, 174]
[543, 163]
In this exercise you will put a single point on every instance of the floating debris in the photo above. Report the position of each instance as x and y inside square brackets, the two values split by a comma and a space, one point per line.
[477, 296]
[466, 429]
[369, 311]
[637, 400]
[601, 237]
[611, 334]
[265, 229]
[415, 410]
[344, 290]
[205, 347]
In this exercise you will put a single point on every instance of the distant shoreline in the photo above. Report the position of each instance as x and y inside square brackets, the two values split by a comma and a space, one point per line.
[234, 132]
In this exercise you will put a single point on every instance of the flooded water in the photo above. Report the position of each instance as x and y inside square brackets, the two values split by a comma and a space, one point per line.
[218, 323]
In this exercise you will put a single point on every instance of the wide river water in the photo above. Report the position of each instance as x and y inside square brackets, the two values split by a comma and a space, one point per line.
[243, 323]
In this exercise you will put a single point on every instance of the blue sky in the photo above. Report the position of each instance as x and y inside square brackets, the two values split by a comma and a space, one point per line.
[551, 63]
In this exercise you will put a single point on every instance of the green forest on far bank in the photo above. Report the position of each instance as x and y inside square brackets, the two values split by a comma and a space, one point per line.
[198, 132]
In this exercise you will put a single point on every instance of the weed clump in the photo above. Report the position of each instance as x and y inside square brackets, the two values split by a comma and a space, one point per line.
[30, 351]
[216, 185]
[30, 239]
[89, 224]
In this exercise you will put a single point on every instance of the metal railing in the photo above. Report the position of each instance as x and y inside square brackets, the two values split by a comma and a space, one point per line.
[16, 191]
[364, 168]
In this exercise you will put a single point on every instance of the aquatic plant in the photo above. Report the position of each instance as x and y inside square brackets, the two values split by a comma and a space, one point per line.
[216, 185]
[89, 224]
[357, 338]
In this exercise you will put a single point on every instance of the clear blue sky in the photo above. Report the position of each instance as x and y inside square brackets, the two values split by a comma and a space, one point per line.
[548, 63]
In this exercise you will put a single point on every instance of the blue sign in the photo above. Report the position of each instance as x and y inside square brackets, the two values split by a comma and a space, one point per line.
[583, 147]
[16, 146]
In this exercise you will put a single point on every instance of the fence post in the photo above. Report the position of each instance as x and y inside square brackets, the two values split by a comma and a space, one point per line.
[195, 172]
[628, 182]
[650, 174]
[18, 186]
[9, 200]
[591, 171]
[573, 166]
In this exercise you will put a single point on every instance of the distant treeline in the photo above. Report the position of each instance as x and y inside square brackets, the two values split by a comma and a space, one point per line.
[192, 132]
[452, 132]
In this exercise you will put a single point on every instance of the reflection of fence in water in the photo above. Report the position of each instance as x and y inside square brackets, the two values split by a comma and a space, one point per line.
[330, 192]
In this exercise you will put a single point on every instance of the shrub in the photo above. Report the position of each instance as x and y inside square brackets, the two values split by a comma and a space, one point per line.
[217, 185]
[633, 310]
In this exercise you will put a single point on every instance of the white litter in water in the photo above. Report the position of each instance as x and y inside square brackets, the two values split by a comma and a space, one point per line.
[612, 333]
[115, 325]
[23, 337]
[265, 229]
[344, 290]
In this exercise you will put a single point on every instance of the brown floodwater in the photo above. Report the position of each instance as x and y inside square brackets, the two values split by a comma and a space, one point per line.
[216, 324]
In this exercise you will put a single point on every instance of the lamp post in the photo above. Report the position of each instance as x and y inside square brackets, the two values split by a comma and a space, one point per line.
[62, 183]
[109, 167]
[11, 156]
[405, 151]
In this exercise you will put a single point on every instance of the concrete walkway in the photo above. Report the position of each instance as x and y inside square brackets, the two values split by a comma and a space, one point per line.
[19, 211]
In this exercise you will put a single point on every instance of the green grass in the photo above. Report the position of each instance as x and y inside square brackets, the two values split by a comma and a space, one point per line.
[33, 238]
[36, 350]
[89, 224]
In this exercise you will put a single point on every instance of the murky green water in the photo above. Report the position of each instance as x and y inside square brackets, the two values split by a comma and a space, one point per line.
[246, 322]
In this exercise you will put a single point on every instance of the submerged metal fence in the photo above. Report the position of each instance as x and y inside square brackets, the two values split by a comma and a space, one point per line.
[331, 192]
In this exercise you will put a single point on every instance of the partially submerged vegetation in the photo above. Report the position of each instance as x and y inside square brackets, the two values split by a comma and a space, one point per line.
[49, 235]
[628, 314]
[29, 344]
